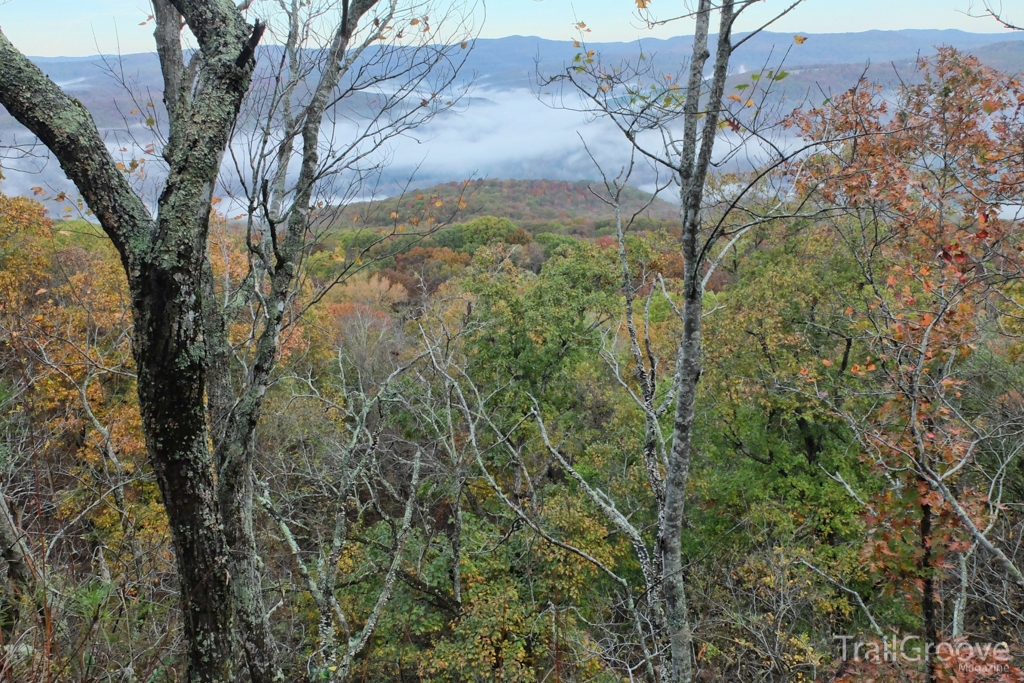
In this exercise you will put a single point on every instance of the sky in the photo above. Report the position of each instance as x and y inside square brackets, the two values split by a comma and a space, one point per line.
[77, 28]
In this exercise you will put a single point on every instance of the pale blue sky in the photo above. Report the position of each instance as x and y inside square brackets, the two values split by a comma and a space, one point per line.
[74, 27]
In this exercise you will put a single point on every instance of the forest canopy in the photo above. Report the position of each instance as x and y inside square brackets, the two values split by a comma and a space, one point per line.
[508, 430]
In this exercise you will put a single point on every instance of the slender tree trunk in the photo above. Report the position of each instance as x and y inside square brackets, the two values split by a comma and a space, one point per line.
[928, 594]
[694, 164]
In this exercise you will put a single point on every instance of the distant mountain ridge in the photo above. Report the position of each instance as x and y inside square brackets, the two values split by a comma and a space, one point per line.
[506, 62]
[502, 130]
[515, 61]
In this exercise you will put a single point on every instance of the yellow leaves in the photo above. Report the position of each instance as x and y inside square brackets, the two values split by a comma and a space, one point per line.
[439, 203]
[642, 4]
[799, 40]
[393, 214]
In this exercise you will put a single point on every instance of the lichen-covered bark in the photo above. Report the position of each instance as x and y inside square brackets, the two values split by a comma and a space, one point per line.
[164, 260]
[695, 161]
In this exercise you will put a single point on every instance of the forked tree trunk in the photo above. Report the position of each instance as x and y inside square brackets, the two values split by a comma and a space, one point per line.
[164, 260]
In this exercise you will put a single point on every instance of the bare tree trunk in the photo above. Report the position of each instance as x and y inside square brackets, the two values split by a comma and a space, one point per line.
[235, 447]
[928, 594]
[693, 171]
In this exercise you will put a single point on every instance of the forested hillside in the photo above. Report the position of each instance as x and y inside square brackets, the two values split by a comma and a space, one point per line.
[464, 432]
[515, 430]
[535, 205]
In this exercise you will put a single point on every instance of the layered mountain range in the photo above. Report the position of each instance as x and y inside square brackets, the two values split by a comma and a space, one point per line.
[505, 127]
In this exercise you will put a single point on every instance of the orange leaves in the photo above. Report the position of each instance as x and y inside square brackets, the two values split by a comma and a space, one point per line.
[642, 4]
[746, 103]
[799, 40]
[38, 191]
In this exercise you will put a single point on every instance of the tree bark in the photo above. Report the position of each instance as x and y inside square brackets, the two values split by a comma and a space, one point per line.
[164, 261]
[694, 163]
